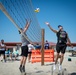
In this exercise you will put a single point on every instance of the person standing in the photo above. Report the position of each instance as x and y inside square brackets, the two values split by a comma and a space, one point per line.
[62, 38]
[46, 45]
[24, 48]
[31, 47]
[2, 49]
[15, 54]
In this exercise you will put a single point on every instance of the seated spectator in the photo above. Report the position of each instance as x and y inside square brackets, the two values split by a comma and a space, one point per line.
[8, 54]
[37, 46]
[46, 45]
[15, 54]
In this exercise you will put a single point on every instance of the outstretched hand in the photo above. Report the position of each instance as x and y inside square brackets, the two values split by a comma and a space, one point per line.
[27, 24]
[28, 21]
[47, 23]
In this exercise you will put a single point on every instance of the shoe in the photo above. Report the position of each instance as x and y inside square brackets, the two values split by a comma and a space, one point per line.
[54, 67]
[20, 68]
[23, 69]
[60, 67]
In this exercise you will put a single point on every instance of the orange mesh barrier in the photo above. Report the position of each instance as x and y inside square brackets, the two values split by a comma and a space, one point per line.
[48, 56]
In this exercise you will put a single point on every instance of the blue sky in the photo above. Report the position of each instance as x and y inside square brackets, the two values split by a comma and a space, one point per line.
[57, 12]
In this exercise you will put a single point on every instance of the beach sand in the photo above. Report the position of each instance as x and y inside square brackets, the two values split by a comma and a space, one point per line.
[12, 68]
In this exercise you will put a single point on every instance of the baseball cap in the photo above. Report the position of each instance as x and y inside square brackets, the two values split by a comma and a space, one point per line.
[60, 26]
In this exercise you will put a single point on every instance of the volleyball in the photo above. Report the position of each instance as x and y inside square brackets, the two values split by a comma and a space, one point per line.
[37, 10]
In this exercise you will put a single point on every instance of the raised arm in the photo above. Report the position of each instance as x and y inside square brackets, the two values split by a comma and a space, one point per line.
[48, 24]
[27, 25]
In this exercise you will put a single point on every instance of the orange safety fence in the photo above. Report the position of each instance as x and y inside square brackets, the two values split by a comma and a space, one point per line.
[48, 56]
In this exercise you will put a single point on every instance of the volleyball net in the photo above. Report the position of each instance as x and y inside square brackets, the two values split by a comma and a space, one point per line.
[19, 10]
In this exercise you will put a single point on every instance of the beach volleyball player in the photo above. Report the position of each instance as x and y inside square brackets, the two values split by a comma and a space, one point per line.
[24, 48]
[62, 38]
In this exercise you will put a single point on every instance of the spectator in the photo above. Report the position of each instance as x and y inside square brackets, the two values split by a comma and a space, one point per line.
[46, 45]
[37, 46]
[15, 54]
[8, 54]
[30, 48]
[2, 49]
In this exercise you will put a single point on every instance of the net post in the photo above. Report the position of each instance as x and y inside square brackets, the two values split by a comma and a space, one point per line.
[42, 47]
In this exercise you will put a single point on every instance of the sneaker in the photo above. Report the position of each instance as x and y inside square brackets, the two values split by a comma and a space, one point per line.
[23, 69]
[54, 67]
[20, 68]
[60, 67]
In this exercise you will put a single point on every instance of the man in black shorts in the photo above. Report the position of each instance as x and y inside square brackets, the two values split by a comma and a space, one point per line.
[2, 49]
[24, 48]
[62, 38]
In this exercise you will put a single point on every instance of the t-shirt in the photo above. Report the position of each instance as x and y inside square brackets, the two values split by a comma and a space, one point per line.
[30, 47]
[16, 52]
[2, 46]
[24, 40]
[62, 37]
[7, 52]
[47, 44]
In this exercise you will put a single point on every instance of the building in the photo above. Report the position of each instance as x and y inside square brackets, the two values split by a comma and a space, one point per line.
[13, 46]
[17, 45]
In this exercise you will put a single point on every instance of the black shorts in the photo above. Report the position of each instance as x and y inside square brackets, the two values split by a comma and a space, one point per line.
[61, 48]
[2, 52]
[24, 51]
[46, 47]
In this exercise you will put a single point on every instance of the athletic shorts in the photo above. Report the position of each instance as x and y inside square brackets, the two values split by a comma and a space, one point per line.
[61, 48]
[2, 52]
[24, 51]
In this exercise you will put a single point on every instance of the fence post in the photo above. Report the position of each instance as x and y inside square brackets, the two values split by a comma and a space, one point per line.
[42, 47]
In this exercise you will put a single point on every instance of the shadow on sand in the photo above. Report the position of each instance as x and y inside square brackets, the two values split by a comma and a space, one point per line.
[72, 56]
[72, 74]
